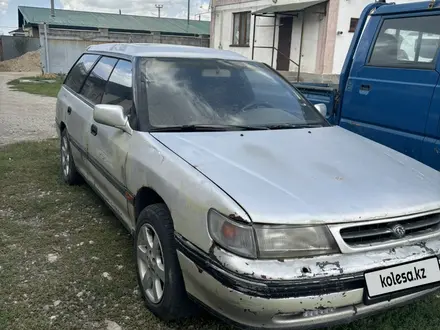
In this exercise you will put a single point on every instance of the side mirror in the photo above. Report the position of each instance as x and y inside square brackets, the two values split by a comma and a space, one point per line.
[322, 108]
[111, 115]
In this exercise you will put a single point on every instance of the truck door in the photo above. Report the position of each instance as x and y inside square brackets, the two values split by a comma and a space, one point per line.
[388, 94]
[431, 144]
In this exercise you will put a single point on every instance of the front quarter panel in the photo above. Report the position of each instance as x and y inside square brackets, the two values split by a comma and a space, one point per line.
[188, 194]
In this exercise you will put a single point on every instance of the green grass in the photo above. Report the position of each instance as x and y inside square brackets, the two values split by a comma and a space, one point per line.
[41, 87]
[41, 216]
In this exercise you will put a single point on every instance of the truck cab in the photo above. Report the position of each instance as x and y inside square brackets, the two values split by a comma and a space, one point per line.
[389, 88]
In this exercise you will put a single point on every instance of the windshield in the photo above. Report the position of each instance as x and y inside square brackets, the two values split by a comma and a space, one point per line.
[220, 93]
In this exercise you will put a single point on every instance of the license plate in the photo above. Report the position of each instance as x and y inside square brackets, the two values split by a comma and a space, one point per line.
[402, 277]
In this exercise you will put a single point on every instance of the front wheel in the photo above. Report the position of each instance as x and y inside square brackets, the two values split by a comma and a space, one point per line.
[158, 271]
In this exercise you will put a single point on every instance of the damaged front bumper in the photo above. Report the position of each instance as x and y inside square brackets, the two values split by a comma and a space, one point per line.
[295, 293]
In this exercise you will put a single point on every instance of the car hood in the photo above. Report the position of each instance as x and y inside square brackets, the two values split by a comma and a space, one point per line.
[307, 176]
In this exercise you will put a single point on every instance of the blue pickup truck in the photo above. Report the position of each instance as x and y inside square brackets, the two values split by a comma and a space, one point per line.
[389, 88]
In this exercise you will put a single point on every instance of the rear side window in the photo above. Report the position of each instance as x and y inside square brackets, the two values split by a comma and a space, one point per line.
[79, 72]
[119, 87]
[94, 85]
[411, 42]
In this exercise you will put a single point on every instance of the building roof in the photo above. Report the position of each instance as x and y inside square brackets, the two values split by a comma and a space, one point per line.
[290, 7]
[84, 19]
[165, 50]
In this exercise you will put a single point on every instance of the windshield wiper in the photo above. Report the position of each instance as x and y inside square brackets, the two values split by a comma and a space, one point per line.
[293, 126]
[208, 127]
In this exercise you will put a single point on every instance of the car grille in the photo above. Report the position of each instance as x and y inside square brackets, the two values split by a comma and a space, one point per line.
[388, 231]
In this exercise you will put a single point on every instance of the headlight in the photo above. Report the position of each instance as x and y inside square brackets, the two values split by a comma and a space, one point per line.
[290, 242]
[231, 235]
[273, 241]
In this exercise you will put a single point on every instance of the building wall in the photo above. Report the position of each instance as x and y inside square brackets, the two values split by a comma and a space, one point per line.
[15, 46]
[221, 34]
[65, 46]
[222, 39]
[325, 40]
[314, 21]
[328, 38]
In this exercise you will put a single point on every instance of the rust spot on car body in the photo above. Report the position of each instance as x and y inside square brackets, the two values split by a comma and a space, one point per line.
[236, 217]
[423, 246]
[249, 311]
[336, 265]
[355, 309]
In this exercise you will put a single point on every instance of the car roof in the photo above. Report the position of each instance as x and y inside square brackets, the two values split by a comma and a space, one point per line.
[165, 50]
[407, 8]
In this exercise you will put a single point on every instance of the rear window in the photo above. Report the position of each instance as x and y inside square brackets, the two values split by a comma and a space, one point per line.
[79, 71]
[94, 85]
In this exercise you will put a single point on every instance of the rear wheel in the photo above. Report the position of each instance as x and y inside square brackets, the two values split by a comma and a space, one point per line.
[158, 271]
[68, 170]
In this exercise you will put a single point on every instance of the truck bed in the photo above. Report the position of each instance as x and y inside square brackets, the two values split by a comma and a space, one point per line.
[319, 93]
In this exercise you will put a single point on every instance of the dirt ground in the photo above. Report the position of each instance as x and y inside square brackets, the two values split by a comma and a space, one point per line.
[65, 261]
[24, 116]
[29, 62]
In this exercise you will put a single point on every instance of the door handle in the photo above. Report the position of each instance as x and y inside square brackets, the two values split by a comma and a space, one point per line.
[69, 110]
[94, 130]
[365, 88]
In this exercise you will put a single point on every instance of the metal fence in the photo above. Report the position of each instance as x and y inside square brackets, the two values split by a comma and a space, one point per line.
[62, 53]
[65, 46]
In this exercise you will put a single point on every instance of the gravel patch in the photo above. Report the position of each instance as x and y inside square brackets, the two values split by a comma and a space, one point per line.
[23, 116]
[28, 62]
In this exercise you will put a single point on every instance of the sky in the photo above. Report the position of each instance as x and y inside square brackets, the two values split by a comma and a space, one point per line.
[171, 8]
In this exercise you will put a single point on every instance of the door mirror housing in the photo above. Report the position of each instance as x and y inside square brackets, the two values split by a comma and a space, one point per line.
[111, 115]
[322, 108]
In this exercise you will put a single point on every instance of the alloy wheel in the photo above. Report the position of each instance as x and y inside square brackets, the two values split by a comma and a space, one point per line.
[65, 156]
[150, 262]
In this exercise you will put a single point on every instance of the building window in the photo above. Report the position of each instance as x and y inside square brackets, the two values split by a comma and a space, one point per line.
[241, 29]
[353, 24]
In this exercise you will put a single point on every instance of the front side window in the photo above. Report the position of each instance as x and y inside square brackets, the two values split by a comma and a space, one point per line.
[78, 73]
[241, 29]
[94, 85]
[119, 87]
[411, 42]
[182, 92]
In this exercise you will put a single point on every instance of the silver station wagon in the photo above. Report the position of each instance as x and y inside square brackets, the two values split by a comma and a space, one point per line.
[240, 195]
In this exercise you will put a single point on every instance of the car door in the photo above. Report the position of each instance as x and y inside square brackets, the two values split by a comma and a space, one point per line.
[108, 146]
[74, 112]
[391, 84]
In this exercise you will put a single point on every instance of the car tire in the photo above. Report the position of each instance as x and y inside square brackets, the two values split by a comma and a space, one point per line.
[158, 271]
[68, 170]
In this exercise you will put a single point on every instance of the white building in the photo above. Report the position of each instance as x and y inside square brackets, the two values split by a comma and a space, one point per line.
[321, 30]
